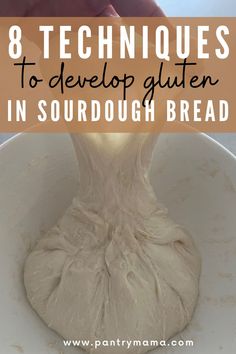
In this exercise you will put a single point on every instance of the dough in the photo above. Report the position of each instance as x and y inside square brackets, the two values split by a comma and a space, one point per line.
[115, 265]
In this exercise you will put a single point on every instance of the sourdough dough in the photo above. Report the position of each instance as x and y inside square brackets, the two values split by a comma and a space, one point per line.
[115, 265]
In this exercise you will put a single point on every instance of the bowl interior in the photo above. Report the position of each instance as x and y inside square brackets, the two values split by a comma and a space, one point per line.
[191, 174]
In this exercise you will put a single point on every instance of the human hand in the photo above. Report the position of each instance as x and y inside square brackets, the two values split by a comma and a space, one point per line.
[90, 8]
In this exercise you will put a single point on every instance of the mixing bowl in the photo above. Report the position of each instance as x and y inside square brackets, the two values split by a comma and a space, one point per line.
[192, 175]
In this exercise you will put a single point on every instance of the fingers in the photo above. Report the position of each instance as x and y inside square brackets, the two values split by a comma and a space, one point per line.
[137, 8]
[64, 8]
[68, 8]
[88, 8]
[109, 11]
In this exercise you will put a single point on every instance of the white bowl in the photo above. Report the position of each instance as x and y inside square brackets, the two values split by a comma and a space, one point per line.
[192, 175]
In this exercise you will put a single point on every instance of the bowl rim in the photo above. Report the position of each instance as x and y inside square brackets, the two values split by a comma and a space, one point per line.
[217, 144]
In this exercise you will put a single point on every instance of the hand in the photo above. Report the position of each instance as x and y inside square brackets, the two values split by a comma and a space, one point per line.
[90, 8]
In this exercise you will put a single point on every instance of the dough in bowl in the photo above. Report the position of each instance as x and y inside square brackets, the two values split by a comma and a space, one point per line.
[115, 265]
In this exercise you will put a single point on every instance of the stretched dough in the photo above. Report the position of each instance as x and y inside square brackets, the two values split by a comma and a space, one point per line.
[115, 265]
